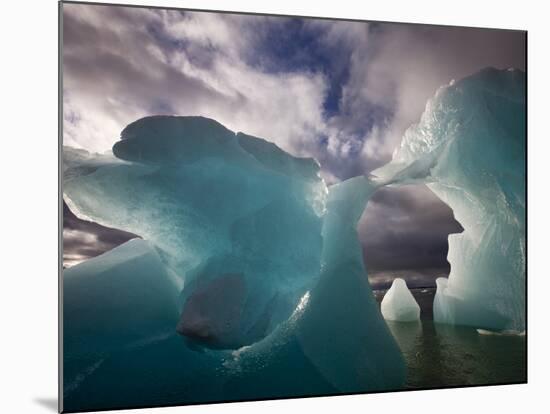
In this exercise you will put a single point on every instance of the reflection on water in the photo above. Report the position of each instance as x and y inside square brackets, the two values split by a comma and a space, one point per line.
[439, 355]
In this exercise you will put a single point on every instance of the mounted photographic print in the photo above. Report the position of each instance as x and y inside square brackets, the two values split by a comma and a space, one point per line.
[261, 207]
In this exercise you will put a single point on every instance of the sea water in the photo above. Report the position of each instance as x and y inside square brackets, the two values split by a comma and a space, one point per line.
[441, 355]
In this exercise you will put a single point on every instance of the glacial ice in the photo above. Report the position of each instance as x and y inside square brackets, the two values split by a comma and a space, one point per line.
[399, 304]
[469, 147]
[249, 269]
[120, 298]
[258, 263]
[208, 214]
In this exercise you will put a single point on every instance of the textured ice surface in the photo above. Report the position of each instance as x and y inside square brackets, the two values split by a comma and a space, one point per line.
[210, 208]
[469, 147]
[120, 298]
[399, 304]
[259, 269]
[249, 281]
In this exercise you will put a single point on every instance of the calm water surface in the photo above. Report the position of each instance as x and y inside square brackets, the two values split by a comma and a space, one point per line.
[440, 355]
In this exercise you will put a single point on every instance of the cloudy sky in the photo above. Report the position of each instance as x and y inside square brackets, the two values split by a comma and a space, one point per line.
[342, 92]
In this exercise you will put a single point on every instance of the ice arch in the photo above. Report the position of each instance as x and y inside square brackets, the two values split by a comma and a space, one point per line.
[286, 249]
[245, 252]
[469, 148]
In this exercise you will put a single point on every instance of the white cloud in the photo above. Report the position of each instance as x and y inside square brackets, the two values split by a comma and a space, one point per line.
[121, 72]
[121, 64]
[409, 63]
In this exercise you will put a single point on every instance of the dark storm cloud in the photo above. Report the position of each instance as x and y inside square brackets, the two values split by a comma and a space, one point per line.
[83, 239]
[404, 232]
[341, 92]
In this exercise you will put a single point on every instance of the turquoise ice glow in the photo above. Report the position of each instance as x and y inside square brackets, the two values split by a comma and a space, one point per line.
[263, 260]
[469, 147]
[249, 281]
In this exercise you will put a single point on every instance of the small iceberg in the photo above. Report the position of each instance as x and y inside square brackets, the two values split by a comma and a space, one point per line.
[399, 304]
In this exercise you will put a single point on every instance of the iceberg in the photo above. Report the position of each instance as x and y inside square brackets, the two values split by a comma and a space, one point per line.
[113, 303]
[259, 271]
[469, 149]
[399, 304]
[210, 209]
[248, 268]
[117, 299]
